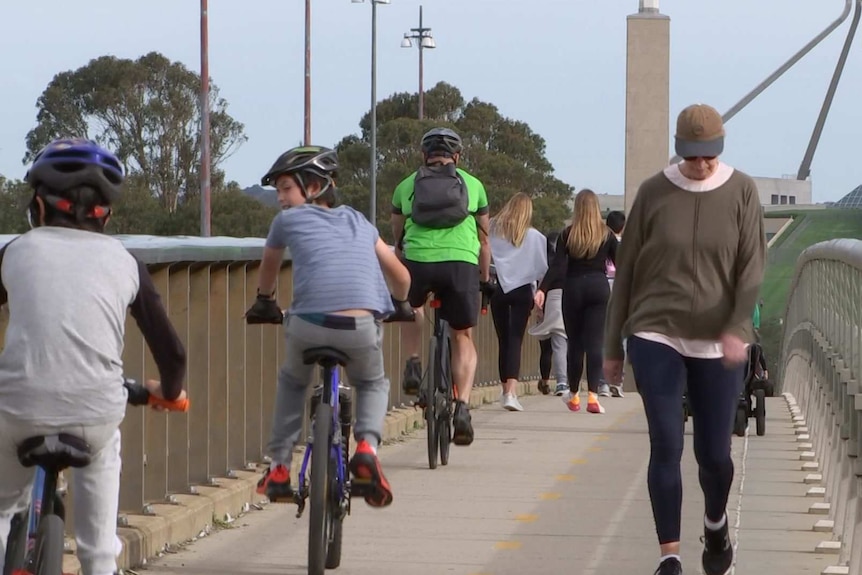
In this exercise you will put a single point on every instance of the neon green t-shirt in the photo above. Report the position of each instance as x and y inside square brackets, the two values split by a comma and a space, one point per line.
[459, 243]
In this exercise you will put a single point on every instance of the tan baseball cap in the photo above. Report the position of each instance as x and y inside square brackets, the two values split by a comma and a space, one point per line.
[699, 132]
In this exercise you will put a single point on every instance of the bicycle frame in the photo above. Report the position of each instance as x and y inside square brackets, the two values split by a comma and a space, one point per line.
[330, 396]
[35, 505]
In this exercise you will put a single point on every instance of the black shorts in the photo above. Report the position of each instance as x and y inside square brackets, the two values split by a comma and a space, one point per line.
[455, 284]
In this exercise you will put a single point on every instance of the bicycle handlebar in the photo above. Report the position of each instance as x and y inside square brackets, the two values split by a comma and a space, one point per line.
[487, 289]
[139, 395]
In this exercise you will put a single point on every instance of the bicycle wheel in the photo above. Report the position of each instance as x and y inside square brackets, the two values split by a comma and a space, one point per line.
[431, 404]
[49, 546]
[444, 419]
[760, 411]
[16, 548]
[333, 549]
[319, 522]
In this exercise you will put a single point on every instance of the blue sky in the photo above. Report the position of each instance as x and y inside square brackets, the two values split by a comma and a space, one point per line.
[559, 65]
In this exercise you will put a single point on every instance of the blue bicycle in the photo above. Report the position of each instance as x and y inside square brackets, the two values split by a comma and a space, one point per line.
[324, 478]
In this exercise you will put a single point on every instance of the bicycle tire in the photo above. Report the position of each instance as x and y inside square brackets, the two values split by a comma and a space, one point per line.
[16, 548]
[318, 524]
[760, 411]
[49, 550]
[444, 419]
[431, 405]
[333, 549]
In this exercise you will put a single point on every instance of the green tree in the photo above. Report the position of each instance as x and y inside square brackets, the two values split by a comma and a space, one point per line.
[504, 153]
[14, 198]
[147, 111]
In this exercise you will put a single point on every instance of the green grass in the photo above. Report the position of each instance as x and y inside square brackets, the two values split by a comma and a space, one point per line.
[807, 229]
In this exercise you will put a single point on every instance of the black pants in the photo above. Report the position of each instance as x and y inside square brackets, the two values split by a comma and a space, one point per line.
[585, 301]
[546, 357]
[661, 374]
[510, 312]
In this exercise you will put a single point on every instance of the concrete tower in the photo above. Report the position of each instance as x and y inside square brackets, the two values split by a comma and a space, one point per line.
[647, 96]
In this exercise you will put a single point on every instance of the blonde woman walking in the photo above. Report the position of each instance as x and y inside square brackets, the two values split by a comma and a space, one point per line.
[583, 249]
[520, 258]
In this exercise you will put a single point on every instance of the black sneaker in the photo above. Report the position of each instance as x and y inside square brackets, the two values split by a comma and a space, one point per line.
[717, 551]
[412, 376]
[462, 433]
[670, 566]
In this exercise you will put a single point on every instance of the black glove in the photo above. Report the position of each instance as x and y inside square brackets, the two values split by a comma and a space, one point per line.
[488, 288]
[403, 311]
[264, 310]
[138, 394]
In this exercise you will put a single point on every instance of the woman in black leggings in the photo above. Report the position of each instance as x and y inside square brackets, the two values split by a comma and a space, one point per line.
[520, 261]
[581, 255]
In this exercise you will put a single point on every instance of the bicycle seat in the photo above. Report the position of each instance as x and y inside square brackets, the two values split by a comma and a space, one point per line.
[325, 356]
[54, 452]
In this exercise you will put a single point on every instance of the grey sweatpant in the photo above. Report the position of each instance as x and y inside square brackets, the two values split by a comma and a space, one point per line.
[559, 359]
[95, 489]
[363, 345]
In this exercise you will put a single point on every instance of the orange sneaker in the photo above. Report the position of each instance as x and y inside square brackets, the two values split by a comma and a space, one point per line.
[593, 405]
[572, 401]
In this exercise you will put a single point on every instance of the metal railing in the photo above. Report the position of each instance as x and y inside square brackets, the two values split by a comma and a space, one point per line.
[206, 287]
[821, 366]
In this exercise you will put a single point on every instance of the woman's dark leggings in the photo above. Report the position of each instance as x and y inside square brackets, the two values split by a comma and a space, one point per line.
[585, 300]
[510, 312]
[546, 358]
[661, 374]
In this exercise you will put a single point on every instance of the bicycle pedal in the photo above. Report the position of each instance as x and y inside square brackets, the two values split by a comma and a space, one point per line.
[361, 486]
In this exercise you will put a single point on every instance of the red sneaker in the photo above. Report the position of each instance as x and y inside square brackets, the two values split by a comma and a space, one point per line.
[368, 475]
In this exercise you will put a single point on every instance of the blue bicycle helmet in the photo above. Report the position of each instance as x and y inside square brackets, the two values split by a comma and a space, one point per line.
[69, 163]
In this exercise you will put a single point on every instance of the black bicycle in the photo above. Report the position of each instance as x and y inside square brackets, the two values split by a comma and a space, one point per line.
[438, 394]
[40, 551]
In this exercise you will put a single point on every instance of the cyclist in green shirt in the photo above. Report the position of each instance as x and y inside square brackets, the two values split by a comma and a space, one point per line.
[447, 252]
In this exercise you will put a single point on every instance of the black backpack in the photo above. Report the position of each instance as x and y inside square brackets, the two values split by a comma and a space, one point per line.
[439, 198]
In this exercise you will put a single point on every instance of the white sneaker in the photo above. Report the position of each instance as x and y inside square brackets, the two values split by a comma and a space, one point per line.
[617, 391]
[510, 402]
[604, 390]
[561, 389]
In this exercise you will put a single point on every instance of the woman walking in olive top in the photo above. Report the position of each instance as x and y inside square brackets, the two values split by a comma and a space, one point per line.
[687, 277]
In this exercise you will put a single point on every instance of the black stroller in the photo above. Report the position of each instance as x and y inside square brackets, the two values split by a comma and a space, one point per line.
[752, 401]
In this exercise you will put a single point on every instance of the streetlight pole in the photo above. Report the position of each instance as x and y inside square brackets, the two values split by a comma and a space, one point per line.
[424, 39]
[307, 126]
[205, 124]
[373, 208]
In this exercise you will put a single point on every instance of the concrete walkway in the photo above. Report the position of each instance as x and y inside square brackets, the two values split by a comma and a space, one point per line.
[544, 492]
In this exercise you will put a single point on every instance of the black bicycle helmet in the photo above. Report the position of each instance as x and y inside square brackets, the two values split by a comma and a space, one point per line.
[317, 160]
[441, 141]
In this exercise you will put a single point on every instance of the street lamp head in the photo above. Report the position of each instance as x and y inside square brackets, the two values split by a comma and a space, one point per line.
[406, 42]
[428, 42]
